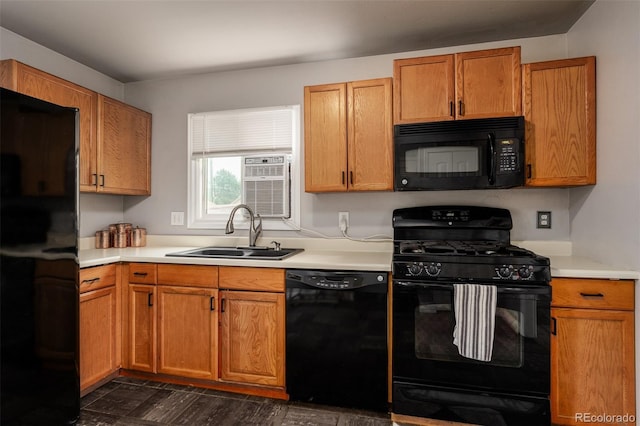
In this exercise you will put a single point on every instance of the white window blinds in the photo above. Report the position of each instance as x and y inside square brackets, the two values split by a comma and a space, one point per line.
[237, 131]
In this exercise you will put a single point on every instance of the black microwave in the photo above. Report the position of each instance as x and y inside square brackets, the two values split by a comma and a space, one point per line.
[464, 154]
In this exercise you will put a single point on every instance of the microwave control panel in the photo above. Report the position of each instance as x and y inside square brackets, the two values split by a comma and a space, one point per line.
[507, 156]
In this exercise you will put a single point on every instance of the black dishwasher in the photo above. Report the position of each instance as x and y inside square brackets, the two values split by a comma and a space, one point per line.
[337, 338]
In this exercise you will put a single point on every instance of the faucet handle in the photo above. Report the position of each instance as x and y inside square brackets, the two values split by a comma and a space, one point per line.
[277, 245]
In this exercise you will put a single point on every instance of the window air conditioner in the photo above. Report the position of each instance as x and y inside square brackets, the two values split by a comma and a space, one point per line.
[265, 185]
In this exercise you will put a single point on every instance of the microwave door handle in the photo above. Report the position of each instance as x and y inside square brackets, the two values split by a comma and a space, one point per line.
[492, 160]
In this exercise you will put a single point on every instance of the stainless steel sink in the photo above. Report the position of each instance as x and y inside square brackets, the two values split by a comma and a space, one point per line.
[267, 253]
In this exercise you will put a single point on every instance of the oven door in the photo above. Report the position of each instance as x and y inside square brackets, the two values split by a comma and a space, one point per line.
[423, 349]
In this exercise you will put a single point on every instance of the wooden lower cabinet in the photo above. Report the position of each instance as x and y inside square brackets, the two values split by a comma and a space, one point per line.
[188, 332]
[99, 324]
[252, 326]
[142, 327]
[592, 351]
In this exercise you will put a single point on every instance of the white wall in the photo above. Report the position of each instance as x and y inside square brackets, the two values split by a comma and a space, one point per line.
[171, 100]
[605, 219]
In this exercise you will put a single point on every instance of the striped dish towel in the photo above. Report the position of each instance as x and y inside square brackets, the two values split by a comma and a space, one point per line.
[475, 313]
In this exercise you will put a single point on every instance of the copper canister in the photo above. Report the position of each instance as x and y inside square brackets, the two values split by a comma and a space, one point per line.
[121, 239]
[139, 237]
[112, 235]
[102, 239]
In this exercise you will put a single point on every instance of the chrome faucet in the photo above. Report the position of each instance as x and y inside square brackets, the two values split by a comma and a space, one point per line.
[254, 230]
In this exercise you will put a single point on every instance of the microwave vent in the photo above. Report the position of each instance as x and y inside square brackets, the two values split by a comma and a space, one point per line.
[476, 125]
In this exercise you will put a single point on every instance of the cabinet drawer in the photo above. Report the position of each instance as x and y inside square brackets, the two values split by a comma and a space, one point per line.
[591, 293]
[142, 273]
[256, 279]
[188, 275]
[97, 277]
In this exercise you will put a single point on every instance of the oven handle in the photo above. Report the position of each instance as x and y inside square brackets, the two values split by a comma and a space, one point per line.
[501, 289]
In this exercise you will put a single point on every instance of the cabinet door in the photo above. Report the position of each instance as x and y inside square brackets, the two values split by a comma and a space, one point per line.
[124, 153]
[325, 138]
[370, 135]
[97, 335]
[488, 83]
[30, 81]
[252, 338]
[560, 113]
[142, 327]
[187, 332]
[592, 364]
[423, 89]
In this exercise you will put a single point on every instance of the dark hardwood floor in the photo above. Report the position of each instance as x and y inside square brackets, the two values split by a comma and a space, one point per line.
[127, 401]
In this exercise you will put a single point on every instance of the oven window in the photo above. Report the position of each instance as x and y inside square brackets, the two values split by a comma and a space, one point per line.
[434, 321]
[443, 160]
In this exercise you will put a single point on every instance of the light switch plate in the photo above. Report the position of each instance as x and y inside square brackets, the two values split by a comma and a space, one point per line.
[177, 218]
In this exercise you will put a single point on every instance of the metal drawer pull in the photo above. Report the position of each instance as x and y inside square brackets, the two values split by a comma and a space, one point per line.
[554, 330]
[212, 303]
[591, 294]
[150, 299]
[90, 281]
[222, 304]
[140, 274]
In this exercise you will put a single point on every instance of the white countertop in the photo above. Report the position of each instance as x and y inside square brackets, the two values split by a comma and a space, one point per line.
[333, 254]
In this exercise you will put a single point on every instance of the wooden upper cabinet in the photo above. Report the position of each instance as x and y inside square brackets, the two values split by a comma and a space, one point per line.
[424, 89]
[349, 136]
[24, 79]
[370, 135]
[478, 84]
[488, 83]
[115, 138]
[560, 111]
[325, 137]
[124, 148]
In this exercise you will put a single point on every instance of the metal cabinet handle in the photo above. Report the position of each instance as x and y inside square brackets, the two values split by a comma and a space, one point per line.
[95, 180]
[460, 108]
[596, 295]
[528, 171]
[343, 181]
[150, 299]
[223, 304]
[351, 177]
[90, 281]
[212, 303]
[452, 109]
[554, 330]
[102, 178]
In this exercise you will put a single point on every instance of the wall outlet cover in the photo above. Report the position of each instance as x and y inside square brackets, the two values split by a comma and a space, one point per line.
[544, 220]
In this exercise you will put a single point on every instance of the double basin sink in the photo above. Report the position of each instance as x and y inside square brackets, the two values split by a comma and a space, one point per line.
[266, 253]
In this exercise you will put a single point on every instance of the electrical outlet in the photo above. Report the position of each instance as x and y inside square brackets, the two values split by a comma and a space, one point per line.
[177, 218]
[343, 221]
[544, 220]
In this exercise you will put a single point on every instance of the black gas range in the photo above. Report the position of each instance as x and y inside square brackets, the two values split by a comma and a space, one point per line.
[442, 250]
[463, 243]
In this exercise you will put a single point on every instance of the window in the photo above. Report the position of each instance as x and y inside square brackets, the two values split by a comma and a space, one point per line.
[247, 156]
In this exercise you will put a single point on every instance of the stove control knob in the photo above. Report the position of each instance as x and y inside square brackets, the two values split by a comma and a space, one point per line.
[505, 271]
[525, 272]
[414, 268]
[433, 269]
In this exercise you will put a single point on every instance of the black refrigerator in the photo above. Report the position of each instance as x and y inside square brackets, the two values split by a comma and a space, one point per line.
[39, 270]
